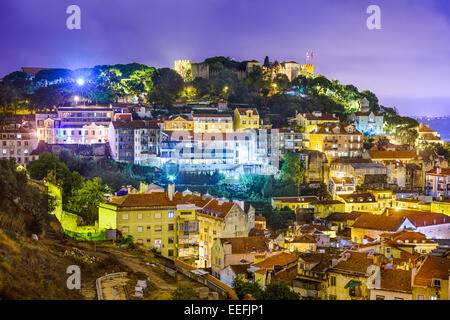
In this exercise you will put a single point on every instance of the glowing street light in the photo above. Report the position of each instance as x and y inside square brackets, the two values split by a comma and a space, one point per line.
[80, 82]
[76, 98]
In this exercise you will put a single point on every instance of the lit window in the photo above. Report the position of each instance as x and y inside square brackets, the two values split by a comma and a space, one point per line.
[170, 214]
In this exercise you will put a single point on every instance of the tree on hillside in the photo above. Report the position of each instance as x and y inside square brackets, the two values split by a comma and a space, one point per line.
[86, 199]
[243, 288]
[292, 170]
[48, 166]
[167, 85]
[8, 96]
[321, 84]
[266, 62]
[281, 81]
[51, 75]
[279, 290]
[23, 207]
[224, 83]
[140, 81]
[46, 97]
[202, 86]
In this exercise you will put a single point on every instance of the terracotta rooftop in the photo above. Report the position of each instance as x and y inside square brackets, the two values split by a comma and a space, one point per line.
[404, 154]
[305, 199]
[396, 280]
[280, 259]
[366, 114]
[356, 262]
[239, 268]
[405, 235]
[320, 262]
[378, 222]
[243, 111]
[340, 216]
[419, 218]
[304, 238]
[135, 124]
[240, 245]
[155, 199]
[214, 206]
[444, 171]
[432, 268]
[350, 160]
[425, 129]
[340, 128]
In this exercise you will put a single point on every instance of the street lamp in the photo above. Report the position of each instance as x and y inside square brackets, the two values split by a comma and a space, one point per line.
[80, 82]
[76, 99]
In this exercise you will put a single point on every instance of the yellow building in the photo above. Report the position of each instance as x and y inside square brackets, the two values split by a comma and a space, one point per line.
[246, 118]
[178, 123]
[371, 226]
[396, 244]
[411, 204]
[347, 279]
[302, 243]
[337, 140]
[441, 206]
[214, 218]
[179, 224]
[324, 208]
[212, 123]
[384, 198]
[362, 202]
[151, 219]
[311, 120]
[293, 203]
[432, 279]
[282, 267]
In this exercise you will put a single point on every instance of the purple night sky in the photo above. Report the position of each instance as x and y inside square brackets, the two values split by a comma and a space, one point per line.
[406, 63]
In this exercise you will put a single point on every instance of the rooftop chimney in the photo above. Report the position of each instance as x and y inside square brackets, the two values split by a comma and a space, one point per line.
[170, 191]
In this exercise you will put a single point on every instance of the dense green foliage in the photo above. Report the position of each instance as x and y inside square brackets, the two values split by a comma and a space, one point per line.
[275, 290]
[80, 196]
[23, 207]
[279, 290]
[244, 288]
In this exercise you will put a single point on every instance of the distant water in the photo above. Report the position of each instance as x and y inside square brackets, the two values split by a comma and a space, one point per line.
[441, 125]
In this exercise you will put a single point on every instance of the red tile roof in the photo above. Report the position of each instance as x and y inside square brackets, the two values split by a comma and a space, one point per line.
[432, 268]
[378, 222]
[396, 280]
[404, 154]
[425, 129]
[239, 245]
[305, 199]
[280, 259]
[155, 199]
[444, 172]
[243, 111]
[419, 218]
[356, 262]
